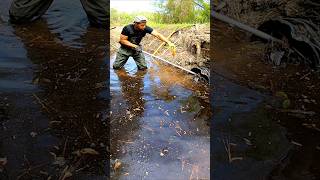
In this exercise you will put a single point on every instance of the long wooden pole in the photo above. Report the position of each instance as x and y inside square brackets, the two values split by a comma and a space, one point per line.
[159, 58]
[240, 25]
[245, 27]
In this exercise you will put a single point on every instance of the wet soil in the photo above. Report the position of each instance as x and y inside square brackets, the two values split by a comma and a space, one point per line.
[255, 134]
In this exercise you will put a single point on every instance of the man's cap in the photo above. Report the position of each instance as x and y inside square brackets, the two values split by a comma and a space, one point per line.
[139, 19]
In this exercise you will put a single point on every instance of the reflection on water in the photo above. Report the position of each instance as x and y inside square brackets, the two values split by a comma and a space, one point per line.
[54, 96]
[159, 124]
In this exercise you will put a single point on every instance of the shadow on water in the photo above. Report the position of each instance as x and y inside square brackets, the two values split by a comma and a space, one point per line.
[251, 140]
[159, 123]
[54, 96]
[246, 140]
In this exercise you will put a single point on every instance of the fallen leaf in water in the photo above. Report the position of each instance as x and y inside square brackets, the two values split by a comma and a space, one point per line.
[33, 134]
[3, 162]
[86, 151]
[164, 152]
[296, 143]
[66, 175]
[89, 151]
[161, 124]
[117, 165]
[248, 142]
[60, 161]
[236, 158]
[286, 103]
[44, 173]
[181, 110]
[281, 94]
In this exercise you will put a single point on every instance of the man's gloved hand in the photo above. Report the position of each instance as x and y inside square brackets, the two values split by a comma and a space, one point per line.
[172, 48]
[171, 45]
[138, 49]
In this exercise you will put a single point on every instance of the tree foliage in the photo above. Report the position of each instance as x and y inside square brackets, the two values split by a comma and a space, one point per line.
[183, 11]
[169, 12]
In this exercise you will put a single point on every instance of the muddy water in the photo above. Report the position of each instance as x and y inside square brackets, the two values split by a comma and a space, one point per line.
[159, 124]
[246, 141]
[53, 96]
[263, 143]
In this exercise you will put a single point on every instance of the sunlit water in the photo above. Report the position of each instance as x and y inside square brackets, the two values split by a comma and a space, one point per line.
[159, 123]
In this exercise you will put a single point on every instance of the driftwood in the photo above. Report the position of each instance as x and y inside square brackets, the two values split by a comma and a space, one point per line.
[245, 27]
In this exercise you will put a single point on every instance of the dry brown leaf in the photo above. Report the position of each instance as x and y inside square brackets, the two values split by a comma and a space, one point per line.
[117, 165]
[89, 151]
[83, 151]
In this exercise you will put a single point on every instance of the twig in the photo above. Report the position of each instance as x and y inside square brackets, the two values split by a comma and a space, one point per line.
[40, 102]
[87, 132]
[64, 147]
[310, 113]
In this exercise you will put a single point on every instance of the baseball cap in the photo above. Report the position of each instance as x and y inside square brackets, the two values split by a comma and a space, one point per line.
[139, 19]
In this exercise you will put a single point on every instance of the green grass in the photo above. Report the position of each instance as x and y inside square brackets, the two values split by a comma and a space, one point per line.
[121, 19]
[156, 25]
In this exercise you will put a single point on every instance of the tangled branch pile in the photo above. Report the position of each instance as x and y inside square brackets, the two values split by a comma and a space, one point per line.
[193, 46]
[296, 22]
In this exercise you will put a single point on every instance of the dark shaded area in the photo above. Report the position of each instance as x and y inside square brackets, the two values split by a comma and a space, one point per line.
[25, 11]
[269, 137]
[306, 53]
[54, 98]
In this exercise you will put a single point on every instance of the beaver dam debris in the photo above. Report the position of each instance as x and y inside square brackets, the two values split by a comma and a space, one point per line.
[192, 47]
[296, 23]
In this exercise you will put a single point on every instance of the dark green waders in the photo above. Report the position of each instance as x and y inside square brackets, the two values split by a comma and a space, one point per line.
[22, 11]
[123, 56]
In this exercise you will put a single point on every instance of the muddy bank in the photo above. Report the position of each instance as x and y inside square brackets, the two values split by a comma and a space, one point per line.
[269, 115]
[294, 23]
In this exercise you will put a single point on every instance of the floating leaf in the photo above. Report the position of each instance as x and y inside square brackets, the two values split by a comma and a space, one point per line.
[286, 103]
[86, 151]
[281, 94]
[117, 165]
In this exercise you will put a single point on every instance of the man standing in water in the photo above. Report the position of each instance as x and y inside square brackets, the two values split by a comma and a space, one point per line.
[130, 39]
[23, 11]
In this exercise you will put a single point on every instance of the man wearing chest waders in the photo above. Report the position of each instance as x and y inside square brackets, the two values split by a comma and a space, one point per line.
[130, 39]
[22, 11]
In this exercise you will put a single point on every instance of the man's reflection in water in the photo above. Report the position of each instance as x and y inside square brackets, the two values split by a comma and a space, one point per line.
[74, 98]
[127, 111]
[132, 90]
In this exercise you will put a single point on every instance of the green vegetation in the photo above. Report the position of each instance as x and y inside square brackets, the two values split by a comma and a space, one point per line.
[178, 12]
